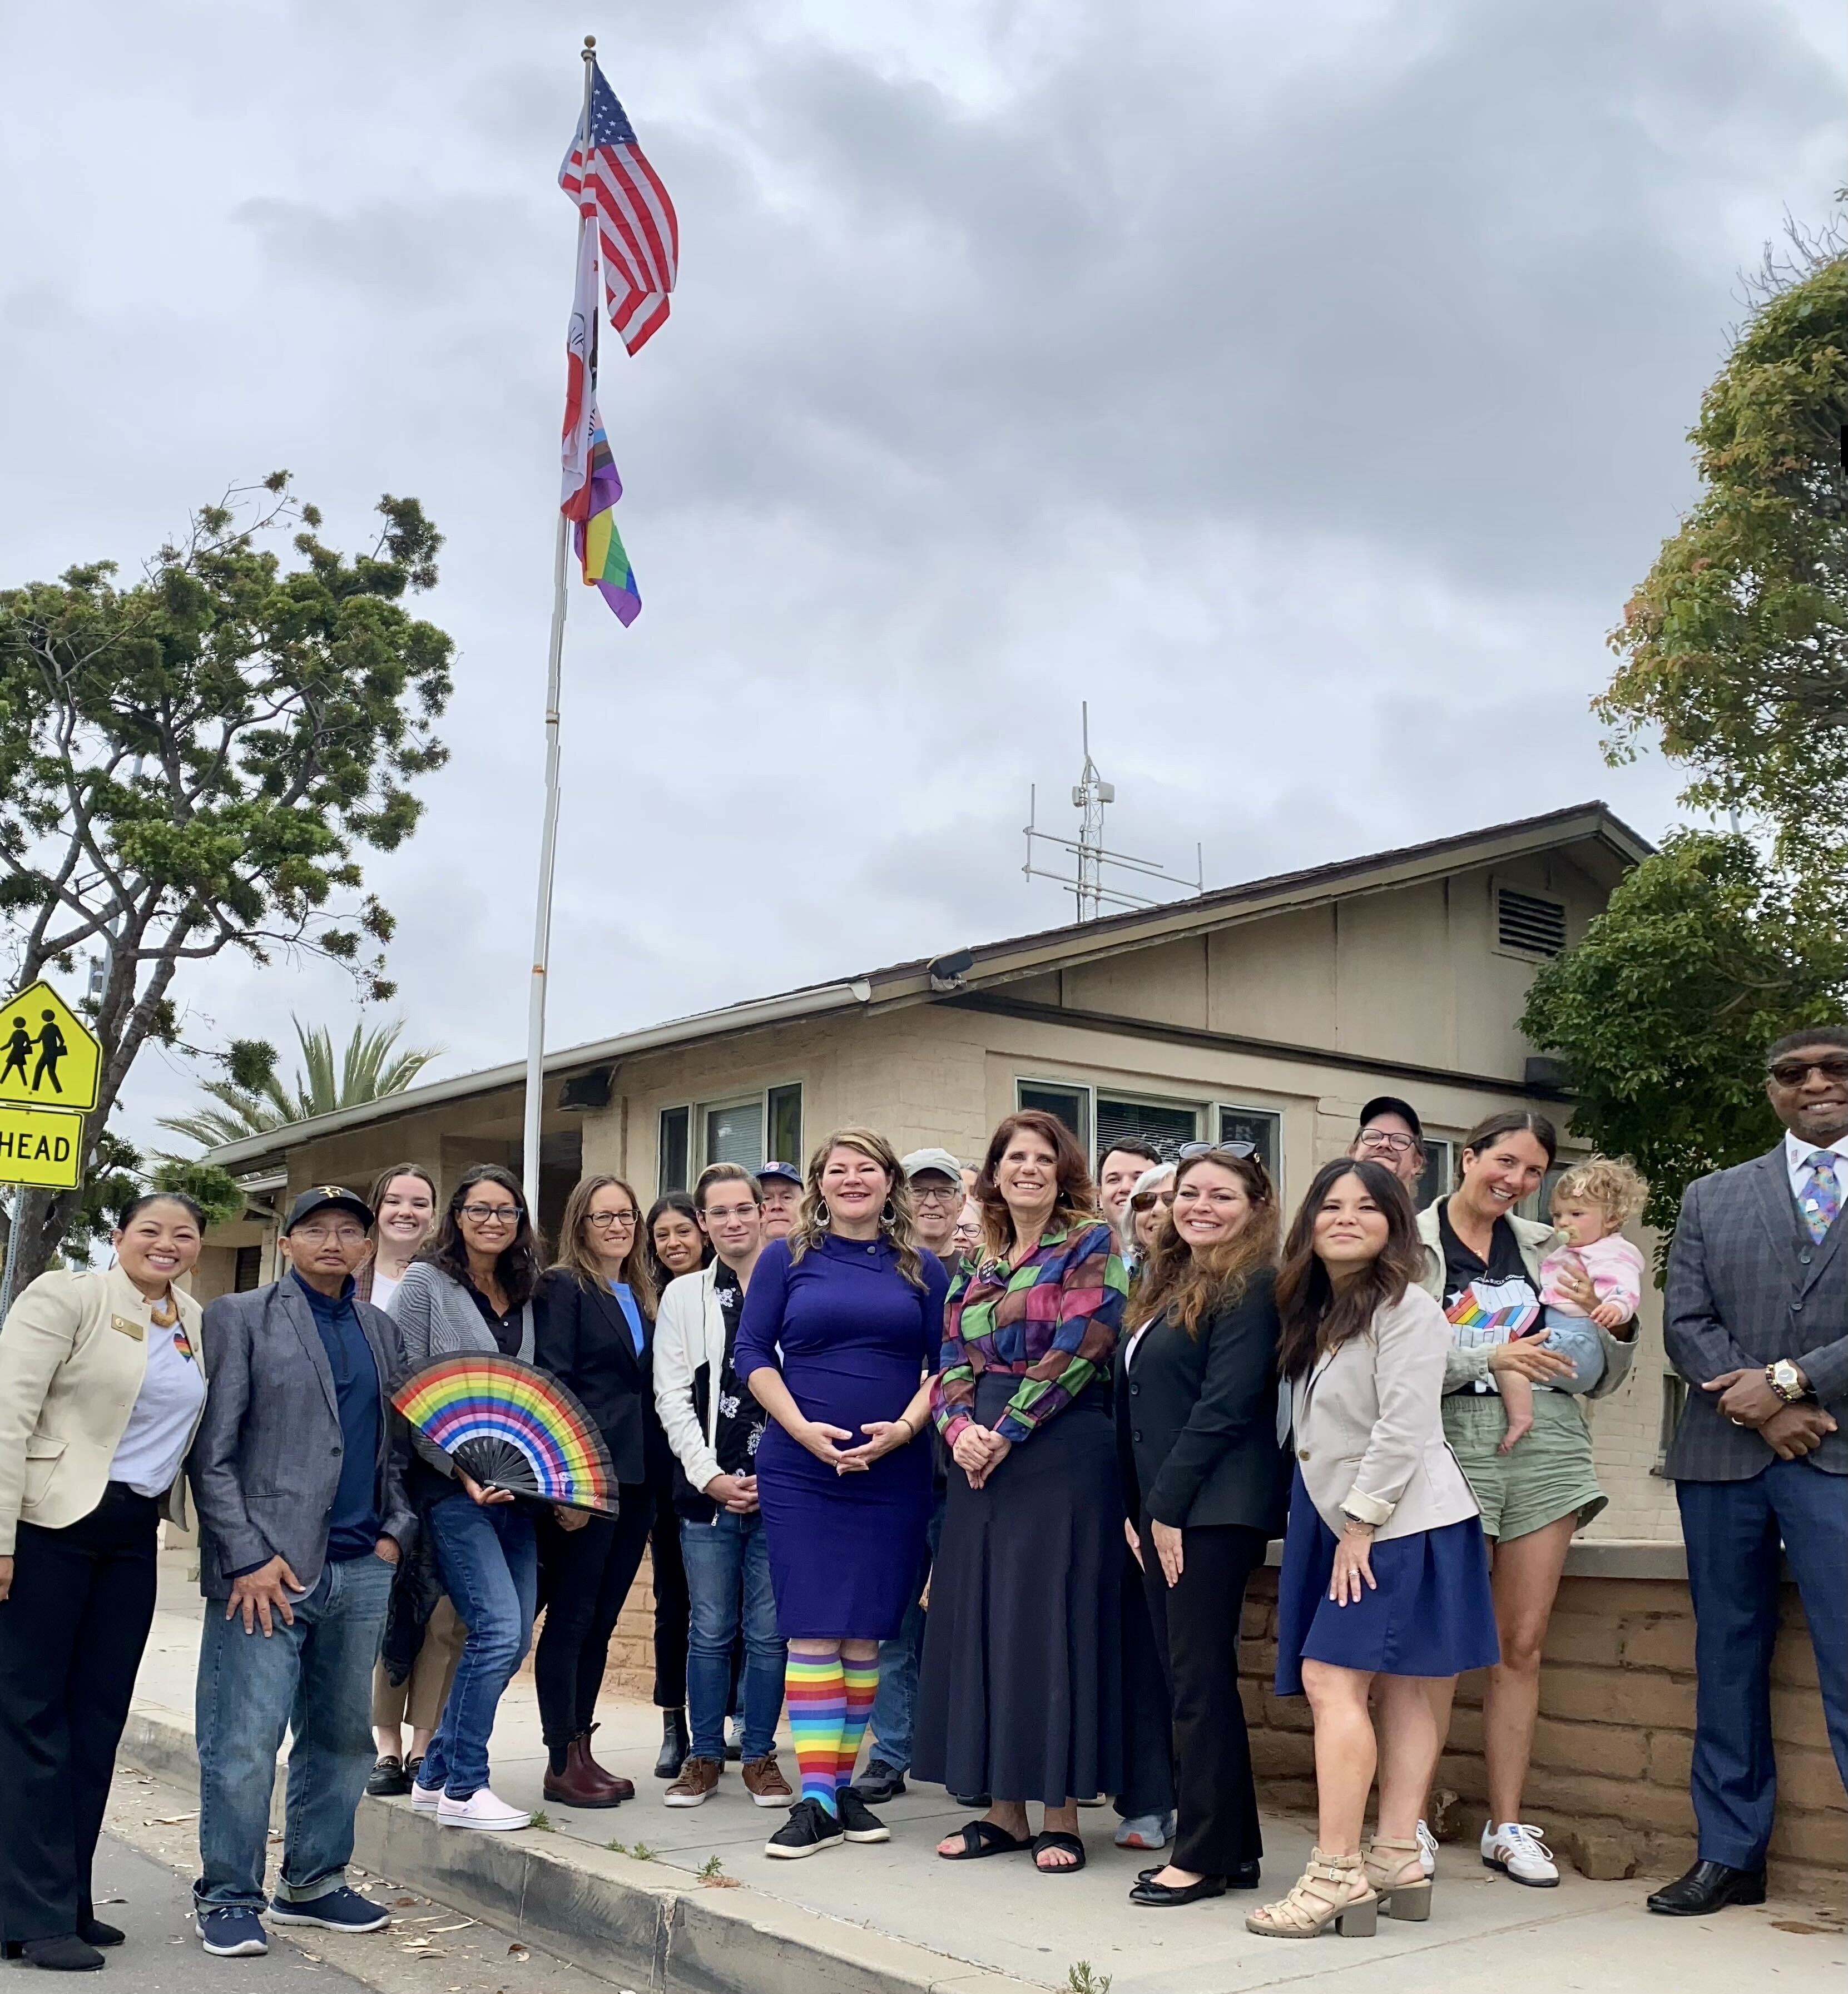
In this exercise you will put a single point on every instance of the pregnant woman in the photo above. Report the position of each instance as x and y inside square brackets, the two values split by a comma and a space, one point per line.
[840, 1328]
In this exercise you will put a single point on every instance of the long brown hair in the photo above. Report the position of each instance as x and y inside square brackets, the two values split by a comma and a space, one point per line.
[1075, 1202]
[518, 1267]
[1315, 1317]
[1190, 1286]
[574, 1253]
[896, 1221]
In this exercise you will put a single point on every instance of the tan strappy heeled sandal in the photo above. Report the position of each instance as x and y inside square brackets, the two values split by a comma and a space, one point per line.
[1334, 1890]
[1400, 1895]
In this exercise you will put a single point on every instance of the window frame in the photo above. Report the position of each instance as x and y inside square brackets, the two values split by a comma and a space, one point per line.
[1274, 1164]
[695, 1111]
[683, 1111]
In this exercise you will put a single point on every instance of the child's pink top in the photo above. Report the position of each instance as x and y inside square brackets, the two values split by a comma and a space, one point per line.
[1614, 1266]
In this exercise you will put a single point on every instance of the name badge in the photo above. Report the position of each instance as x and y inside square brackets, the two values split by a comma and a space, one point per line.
[128, 1327]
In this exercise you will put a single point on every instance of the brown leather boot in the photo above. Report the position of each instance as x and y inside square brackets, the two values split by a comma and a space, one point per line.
[624, 1790]
[583, 1784]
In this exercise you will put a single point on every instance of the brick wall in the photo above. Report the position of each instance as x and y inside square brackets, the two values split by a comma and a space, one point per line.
[1609, 1780]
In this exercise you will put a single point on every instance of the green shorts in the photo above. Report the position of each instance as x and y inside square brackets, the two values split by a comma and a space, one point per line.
[1545, 1475]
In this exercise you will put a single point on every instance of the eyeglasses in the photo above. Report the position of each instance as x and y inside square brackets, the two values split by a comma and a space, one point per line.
[1389, 1139]
[606, 1222]
[492, 1214]
[1145, 1201]
[319, 1235]
[936, 1193]
[1794, 1072]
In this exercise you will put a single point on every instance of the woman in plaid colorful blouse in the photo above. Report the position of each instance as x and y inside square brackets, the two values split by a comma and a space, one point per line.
[1024, 1592]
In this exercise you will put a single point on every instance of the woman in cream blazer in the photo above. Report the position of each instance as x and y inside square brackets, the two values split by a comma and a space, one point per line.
[1385, 1578]
[100, 1391]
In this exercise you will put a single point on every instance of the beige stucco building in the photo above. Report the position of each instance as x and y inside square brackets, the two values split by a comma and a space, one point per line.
[1272, 1009]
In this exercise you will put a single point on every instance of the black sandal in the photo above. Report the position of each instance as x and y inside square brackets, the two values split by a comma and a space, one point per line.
[1068, 1844]
[983, 1837]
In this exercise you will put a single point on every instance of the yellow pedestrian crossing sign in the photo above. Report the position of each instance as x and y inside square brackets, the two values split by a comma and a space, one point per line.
[41, 1146]
[49, 1057]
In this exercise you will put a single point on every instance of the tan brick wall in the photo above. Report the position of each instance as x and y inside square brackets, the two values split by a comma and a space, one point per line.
[1609, 1780]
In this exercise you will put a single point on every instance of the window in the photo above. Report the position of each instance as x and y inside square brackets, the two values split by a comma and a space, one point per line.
[785, 1113]
[671, 1152]
[1072, 1104]
[1440, 1161]
[1257, 1125]
[732, 1133]
[1674, 1402]
[1162, 1125]
[1528, 924]
[247, 1269]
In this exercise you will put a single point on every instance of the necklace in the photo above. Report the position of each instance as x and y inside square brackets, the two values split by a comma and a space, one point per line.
[165, 1313]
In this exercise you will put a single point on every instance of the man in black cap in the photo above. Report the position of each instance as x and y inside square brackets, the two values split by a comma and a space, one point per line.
[782, 1185]
[298, 1475]
[1391, 1133]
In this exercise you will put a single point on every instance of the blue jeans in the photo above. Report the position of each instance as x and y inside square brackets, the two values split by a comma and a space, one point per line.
[728, 1582]
[1732, 1530]
[488, 1557]
[1576, 1337]
[895, 1706]
[315, 1679]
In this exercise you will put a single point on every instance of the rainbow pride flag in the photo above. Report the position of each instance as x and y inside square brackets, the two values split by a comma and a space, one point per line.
[601, 553]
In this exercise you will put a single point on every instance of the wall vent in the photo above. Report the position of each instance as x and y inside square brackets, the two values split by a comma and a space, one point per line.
[1528, 924]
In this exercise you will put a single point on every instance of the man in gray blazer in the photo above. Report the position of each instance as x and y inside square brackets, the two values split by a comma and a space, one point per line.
[1756, 1322]
[298, 1478]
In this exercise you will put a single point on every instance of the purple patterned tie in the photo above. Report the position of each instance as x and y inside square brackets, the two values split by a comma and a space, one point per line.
[1822, 1198]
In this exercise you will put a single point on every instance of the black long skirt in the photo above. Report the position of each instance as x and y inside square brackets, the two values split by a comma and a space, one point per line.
[1020, 1692]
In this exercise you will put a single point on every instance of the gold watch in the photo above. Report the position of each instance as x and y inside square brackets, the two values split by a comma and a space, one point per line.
[1786, 1380]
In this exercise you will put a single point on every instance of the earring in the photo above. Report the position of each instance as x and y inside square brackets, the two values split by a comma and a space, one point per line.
[889, 1214]
[821, 1213]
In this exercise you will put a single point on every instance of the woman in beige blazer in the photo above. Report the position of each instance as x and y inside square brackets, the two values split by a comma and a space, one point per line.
[1385, 1578]
[100, 1391]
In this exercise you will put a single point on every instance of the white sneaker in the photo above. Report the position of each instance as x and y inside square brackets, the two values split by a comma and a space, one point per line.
[1427, 1850]
[425, 1800]
[1516, 1849]
[481, 1809]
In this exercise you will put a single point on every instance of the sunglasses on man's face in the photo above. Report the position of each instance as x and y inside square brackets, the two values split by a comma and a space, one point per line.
[1794, 1072]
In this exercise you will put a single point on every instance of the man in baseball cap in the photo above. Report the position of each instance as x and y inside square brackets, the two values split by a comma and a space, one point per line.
[781, 1184]
[1391, 1133]
[935, 1177]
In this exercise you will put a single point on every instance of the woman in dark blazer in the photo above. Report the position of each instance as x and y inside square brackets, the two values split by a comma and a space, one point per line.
[596, 1335]
[1196, 1423]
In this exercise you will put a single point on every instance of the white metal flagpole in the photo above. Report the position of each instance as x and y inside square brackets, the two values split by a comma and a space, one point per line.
[548, 836]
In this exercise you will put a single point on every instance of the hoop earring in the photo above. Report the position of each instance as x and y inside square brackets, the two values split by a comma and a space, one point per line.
[888, 1214]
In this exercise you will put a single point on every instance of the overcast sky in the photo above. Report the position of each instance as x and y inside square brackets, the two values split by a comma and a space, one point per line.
[1305, 387]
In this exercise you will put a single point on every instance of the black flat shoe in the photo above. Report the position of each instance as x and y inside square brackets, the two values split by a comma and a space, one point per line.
[68, 1955]
[676, 1744]
[387, 1780]
[1708, 1887]
[1245, 1877]
[93, 1931]
[1163, 1897]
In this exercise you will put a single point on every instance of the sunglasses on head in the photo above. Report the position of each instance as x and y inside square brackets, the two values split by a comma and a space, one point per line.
[1240, 1152]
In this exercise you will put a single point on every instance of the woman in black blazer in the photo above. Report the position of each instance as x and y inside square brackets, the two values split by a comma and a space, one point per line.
[596, 1334]
[1196, 1423]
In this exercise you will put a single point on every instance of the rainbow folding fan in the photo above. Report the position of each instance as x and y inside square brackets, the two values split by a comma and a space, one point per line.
[510, 1426]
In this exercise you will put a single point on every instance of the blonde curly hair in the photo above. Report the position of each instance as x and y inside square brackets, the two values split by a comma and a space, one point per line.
[1613, 1184]
[896, 1222]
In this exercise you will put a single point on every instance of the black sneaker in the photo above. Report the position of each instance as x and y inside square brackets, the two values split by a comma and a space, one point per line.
[858, 1823]
[810, 1829]
[879, 1783]
[391, 1776]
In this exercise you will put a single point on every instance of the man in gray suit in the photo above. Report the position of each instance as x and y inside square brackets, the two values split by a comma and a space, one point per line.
[1756, 1322]
[298, 1478]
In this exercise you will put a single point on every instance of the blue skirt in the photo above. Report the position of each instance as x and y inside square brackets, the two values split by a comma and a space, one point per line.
[1431, 1614]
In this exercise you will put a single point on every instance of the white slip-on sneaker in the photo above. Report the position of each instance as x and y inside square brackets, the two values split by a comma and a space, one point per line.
[425, 1800]
[1516, 1849]
[481, 1810]
[1428, 1849]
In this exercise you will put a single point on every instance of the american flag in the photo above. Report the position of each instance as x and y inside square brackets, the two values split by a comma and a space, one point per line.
[636, 229]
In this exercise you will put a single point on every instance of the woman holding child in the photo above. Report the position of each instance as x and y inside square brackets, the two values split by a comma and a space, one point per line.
[1541, 1317]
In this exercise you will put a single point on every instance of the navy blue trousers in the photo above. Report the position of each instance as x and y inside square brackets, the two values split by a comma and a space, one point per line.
[1733, 1530]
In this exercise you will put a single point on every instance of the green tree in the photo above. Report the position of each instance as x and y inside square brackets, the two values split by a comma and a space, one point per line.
[1663, 1012]
[252, 1098]
[1736, 645]
[192, 764]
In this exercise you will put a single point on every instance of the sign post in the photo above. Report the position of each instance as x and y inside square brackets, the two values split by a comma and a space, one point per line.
[50, 1069]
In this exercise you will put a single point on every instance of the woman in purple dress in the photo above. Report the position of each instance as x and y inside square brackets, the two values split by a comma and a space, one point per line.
[841, 1325]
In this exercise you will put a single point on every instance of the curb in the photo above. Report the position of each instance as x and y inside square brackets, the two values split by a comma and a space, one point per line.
[611, 1916]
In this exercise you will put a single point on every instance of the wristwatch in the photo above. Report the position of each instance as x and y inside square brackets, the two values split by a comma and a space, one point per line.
[1786, 1380]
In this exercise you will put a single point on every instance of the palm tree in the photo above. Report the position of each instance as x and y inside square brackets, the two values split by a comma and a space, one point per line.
[370, 1068]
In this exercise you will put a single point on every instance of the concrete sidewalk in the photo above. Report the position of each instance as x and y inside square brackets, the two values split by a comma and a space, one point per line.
[702, 1909]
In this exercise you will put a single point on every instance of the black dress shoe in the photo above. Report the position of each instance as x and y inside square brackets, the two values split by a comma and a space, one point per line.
[1164, 1897]
[1245, 1877]
[1708, 1887]
[675, 1745]
[980, 1801]
[68, 1955]
[93, 1931]
[388, 1779]
[879, 1783]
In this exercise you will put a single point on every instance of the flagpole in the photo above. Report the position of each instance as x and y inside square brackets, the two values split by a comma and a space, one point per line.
[548, 836]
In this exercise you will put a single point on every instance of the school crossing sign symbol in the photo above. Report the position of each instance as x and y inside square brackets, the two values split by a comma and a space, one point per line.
[48, 1057]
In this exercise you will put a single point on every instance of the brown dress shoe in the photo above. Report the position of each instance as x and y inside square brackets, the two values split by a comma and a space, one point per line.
[583, 1783]
[698, 1780]
[764, 1782]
